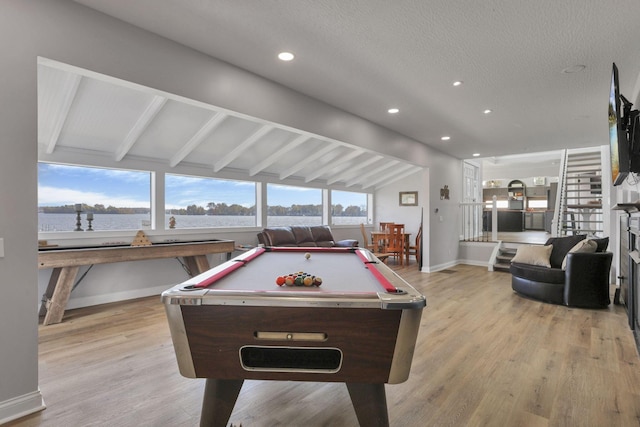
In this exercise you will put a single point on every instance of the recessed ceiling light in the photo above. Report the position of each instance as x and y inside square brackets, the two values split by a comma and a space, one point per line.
[445, 138]
[286, 56]
[393, 111]
[458, 83]
[476, 154]
[488, 111]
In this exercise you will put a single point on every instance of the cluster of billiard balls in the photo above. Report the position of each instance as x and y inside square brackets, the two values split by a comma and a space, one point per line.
[299, 279]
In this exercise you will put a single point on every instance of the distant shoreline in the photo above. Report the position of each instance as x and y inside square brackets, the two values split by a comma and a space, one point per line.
[60, 222]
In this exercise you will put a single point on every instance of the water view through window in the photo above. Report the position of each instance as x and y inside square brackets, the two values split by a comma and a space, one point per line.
[348, 207]
[118, 199]
[121, 200]
[197, 202]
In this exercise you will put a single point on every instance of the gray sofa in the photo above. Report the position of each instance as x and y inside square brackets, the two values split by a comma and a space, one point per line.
[302, 235]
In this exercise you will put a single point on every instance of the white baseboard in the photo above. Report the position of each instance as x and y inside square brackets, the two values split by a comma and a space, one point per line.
[21, 406]
[474, 262]
[439, 267]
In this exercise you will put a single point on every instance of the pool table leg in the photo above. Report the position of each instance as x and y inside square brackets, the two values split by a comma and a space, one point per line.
[370, 404]
[219, 399]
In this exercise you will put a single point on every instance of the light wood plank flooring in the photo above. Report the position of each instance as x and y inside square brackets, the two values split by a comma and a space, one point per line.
[485, 356]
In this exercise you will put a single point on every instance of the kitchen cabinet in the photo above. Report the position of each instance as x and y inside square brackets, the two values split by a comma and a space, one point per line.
[488, 193]
[534, 220]
[537, 191]
[507, 220]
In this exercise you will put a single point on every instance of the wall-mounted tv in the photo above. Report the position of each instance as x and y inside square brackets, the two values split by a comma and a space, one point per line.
[633, 132]
[624, 133]
[618, 144]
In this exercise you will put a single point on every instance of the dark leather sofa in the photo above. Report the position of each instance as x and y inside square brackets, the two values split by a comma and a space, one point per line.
[302, 235]
[584, 283]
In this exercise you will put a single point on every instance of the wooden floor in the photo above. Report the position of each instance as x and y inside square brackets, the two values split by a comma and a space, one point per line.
[537, 237]
[485, 356]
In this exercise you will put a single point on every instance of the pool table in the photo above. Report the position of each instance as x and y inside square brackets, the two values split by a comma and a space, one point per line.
[234, 322]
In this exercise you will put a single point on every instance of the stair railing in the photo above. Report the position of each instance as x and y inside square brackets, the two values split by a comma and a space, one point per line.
[561, 197]
[471, 222]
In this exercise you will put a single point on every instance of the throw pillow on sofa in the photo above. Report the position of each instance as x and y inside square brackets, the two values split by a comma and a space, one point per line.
[588, 246]
[561, 246]
[533, 254]
[602, 244]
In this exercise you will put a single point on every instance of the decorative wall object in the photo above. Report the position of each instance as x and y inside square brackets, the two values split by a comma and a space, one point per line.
[539, 180]
[408, 198]
[444, 193]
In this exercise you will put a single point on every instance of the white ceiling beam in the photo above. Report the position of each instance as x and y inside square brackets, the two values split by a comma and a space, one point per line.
[352, 171]
[389, 175]
[140, 126]
[399, 177]
[71, 84]
[242, 147]
[303, 164]
[277, 155]
[197, 138]
[334, 164]
[361, 178]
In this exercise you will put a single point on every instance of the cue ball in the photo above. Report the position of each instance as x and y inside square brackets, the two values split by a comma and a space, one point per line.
[307, 255]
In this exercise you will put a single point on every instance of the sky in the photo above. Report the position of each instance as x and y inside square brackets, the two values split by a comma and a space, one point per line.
[67, 185]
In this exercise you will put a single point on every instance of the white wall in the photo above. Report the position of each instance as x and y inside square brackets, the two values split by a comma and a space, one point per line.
[444, 220]
[18, 220]
[67, 32]
[441, 217]
[387, 206]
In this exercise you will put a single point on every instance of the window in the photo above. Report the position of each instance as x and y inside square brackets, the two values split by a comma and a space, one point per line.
[500, 204]
[348, 208]
[196, 202]
[288, 205]
[117, 199]
[537, 203]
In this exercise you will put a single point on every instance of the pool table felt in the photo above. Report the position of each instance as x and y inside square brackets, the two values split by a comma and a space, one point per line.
[341, 272]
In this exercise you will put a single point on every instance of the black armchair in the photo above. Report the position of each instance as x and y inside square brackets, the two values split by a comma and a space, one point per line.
[584, 282]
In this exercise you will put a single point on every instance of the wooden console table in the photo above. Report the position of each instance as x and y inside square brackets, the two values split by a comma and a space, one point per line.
[66, 263]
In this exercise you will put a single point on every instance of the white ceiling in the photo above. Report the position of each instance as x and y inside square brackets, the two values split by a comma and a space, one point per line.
[82, 112]
[365, 56]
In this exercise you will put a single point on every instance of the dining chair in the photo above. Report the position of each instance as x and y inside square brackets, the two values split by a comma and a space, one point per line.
[366, 242]
[415, 249]
[382, 256]
[396, 242]
[385, 225]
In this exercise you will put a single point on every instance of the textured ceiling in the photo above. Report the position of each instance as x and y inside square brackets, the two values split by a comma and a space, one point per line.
[364, 56]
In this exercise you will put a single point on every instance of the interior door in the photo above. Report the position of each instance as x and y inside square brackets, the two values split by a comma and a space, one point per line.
[472, 214]
[471, 184]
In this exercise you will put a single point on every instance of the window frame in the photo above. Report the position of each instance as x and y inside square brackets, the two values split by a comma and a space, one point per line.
[159, 219]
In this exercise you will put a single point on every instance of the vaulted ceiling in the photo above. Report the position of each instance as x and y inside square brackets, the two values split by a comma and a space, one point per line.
[542, 68]
[83, 112]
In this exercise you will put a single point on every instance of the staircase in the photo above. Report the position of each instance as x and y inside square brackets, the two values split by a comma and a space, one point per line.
[506, 251]
[580, 188]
